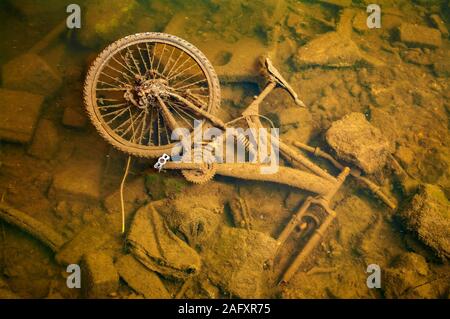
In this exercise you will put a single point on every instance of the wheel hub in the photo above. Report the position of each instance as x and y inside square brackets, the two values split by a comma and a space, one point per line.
[144, 94]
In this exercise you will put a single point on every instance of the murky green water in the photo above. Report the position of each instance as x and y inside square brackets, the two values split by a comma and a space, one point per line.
[55, 167]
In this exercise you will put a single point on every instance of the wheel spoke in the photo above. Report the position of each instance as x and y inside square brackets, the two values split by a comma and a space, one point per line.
[130, 54]
[142, 59]
[168, 61]
[118, 115]
[191, 84]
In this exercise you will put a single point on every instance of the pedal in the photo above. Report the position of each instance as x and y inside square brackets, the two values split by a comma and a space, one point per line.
[275, 75]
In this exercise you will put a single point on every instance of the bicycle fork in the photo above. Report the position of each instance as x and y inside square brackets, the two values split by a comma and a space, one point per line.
[318, 233]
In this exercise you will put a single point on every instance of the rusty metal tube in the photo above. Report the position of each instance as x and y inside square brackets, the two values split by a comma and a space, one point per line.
[284, 175]
[310, 245]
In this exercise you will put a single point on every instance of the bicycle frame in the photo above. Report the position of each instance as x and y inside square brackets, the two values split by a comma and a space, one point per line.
[313, 178]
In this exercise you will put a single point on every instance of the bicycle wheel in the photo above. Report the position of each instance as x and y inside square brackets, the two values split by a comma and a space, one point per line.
[144, 86]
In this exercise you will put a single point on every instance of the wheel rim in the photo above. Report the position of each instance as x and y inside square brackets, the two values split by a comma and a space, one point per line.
[130, 92]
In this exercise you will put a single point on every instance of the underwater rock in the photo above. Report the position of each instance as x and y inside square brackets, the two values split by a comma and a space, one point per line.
[31, 73]
[421, 36]
[416, 56]
[428, 216]
[152, 243]
[442, 68]
[391, 21]
[404, 278]
[330, 49]
[73, 118]
[100, 277]
[105, 21]
[19, 113]
[89, 239]
[196, 218]
[238, 260]
[438, 23]
[334, 49]
[45, 141]
[77, 178]
[140, 279]
[356, 141]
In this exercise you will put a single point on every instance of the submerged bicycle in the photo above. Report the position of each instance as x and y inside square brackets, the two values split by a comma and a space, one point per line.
[145, 86]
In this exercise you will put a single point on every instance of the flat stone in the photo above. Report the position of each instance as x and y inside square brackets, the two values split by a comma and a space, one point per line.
[421, 36]
[99, 276]
[141, 279]
[356, 141]
[78, 178]
[45, 141]
[74, 118]
[19, 113]
[31, 73]
[428, 216]
[88, 240]
[246, 254]
[331, 50]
